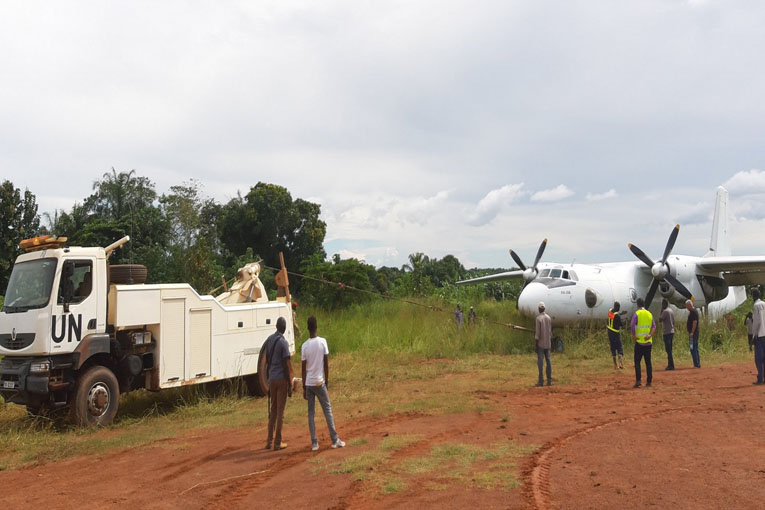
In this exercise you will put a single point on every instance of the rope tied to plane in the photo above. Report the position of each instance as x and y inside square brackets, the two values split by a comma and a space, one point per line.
[432, 308]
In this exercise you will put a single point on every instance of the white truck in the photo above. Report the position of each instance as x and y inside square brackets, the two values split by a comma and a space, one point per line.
[77, 332]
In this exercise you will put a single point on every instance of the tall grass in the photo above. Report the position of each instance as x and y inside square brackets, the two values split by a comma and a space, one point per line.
[395, 328]
[399, 329]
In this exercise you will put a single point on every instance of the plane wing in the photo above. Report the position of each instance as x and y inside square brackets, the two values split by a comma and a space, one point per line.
[508, 275]
[736, 270]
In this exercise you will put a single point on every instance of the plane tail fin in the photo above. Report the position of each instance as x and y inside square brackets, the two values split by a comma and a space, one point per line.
[719, 244]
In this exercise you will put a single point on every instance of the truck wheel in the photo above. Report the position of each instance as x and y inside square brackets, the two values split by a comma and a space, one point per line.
[257, 384]
[127, 273]
[96, 398]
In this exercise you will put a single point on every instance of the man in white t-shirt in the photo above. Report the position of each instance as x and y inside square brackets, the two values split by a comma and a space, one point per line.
[315, 357]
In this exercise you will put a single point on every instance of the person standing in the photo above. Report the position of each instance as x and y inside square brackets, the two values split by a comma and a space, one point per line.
[643, 329]
[279, 382]
[471, 316]
[667, 319]
[758, 329]
[693, 332]
[749, 323]
[458, 316]
[614, 334]
[315, 361]
[543, 337]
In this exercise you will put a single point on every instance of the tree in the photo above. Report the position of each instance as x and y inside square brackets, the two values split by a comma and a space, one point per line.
[181, 208]
[268, 221]
[416, 281]
[71, 224]
[117, 194]
[349, 272]
[18, 220]
[191, 255]
[446, 270]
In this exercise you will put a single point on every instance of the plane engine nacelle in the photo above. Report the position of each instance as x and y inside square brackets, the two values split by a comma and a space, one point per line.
[667, 291]
[714, 288]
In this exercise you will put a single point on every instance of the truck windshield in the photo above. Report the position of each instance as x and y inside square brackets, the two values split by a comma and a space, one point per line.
[30, 285]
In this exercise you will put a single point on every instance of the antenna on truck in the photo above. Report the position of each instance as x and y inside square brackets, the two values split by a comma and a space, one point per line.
[116, 244]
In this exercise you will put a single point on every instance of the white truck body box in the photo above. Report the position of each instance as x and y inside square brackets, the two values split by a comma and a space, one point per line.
[197, 338]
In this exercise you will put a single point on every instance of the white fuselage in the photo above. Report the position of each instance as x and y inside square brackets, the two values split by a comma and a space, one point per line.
[577, 293]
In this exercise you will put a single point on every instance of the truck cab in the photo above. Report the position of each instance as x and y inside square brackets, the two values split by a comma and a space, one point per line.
[51, 305]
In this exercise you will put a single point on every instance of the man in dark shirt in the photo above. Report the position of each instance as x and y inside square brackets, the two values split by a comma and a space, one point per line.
[693, 332]
[667, 319]
[279, 382]
[614, 334]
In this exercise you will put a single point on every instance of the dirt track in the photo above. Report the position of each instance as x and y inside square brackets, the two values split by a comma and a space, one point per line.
[690, 441]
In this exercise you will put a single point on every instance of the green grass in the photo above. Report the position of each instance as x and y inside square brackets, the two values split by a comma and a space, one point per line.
[365, 465]
[488, 468]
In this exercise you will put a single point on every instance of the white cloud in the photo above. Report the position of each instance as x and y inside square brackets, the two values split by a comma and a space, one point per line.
[697, 214]
[494, 201]
[380, 212]
[592, 197]
[746, 183]
[418, 210]
[550, 195]
[350, 254]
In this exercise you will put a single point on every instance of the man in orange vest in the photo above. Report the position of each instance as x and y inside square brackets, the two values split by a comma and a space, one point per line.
[614, 334]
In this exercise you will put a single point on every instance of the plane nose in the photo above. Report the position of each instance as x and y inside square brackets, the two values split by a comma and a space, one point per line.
[530, 298]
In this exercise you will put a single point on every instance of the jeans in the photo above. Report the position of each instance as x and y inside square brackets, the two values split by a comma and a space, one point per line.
[614, 339]
[759, 357]
[320, 392]
[693, 342]
[643, 351]
[668, 347]
[544, 353]
[277, 390]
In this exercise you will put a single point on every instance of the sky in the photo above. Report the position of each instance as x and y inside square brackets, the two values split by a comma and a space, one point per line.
[443, 127]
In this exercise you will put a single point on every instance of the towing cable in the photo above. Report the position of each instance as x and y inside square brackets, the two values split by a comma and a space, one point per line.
[437, 309]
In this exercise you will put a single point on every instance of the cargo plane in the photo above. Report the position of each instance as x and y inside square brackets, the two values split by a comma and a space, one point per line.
[575, 293]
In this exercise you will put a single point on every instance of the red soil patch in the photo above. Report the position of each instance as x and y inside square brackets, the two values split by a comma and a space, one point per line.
[690, 441]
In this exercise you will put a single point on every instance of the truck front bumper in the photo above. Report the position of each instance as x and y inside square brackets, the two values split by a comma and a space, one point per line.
[19, 385]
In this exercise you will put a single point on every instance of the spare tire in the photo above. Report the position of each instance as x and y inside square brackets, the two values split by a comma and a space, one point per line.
[127, 273]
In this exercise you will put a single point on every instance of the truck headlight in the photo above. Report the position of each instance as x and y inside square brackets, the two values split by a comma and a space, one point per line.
[41, 367]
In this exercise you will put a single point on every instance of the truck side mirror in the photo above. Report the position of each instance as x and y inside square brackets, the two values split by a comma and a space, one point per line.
[67, 287]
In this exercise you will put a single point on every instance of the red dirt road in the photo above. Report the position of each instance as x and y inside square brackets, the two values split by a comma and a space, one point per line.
[690, 441]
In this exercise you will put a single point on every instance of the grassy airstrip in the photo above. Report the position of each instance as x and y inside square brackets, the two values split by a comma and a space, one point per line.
[378, 350]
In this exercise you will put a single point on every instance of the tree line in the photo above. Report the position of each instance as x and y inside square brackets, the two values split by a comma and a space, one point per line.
[183, 236]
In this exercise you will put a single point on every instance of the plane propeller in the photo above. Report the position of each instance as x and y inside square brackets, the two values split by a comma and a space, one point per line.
[529, 273]
[660, 270]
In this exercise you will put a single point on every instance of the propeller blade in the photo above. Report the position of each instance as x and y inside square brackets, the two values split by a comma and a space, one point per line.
[639, 254]
[517, 260]
[651, 292]
[670, 243]
[539, 253]
[678, 286]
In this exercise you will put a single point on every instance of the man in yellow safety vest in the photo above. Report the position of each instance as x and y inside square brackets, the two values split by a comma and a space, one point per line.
[643, 328]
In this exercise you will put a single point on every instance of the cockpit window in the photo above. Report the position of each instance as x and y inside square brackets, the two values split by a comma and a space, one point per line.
[555, 273]
[30, 285]
[573, 276]
[565, 275]
[544, 273]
